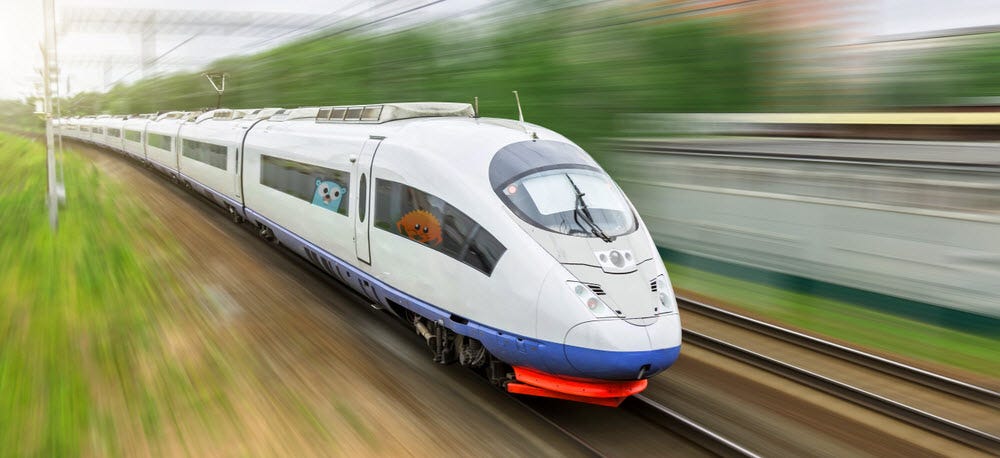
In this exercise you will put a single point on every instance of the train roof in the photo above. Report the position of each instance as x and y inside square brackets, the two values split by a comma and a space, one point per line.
[229, 114]
[376, 113]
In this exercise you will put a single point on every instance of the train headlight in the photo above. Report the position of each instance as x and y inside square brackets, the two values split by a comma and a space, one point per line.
[590, 300]
[665, 296]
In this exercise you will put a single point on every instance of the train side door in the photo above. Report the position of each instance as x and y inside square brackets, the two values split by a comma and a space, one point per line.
[238, 132]
[237, 174]
[362, 187]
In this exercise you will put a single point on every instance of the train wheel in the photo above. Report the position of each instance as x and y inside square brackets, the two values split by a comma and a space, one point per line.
[234, 215]
[265, 233]
[471, 352]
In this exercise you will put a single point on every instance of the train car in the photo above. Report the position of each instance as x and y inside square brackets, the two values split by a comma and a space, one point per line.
[59, 125]
[133, 137]
[70, 127]
[86, 129]
[113, 132]
[162, 141]
[502, 243]
[209, 159]
[100, 130]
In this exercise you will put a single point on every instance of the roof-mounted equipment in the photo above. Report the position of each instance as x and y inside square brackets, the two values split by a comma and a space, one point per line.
[377, 114]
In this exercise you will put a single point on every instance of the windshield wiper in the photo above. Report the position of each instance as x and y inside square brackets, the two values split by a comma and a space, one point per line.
[582, 209]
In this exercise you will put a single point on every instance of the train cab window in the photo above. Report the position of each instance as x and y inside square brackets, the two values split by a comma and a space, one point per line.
[427, 219]
[207, 153]
[555, 186]
[323, 187]
[164, 142]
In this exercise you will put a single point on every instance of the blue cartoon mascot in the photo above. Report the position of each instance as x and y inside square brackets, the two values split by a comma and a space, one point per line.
[328, 195]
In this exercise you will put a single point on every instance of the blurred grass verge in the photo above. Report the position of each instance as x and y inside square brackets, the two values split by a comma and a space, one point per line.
[82, 369]
[858, 326]
[104, 348]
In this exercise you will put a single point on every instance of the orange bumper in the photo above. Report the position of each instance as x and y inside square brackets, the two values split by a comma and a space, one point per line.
[601, 392]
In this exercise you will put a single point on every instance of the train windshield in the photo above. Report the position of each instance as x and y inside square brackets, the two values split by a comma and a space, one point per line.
[573, 202]
[557, 187]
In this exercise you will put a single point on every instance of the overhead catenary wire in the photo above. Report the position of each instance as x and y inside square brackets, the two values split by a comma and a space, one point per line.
[593, 26]
[157, 59]
[355, 27]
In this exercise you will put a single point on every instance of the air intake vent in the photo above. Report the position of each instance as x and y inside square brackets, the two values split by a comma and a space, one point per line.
[652, 285]
[596, 288]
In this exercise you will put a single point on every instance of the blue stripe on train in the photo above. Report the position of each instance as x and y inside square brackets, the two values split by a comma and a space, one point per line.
[511, 348]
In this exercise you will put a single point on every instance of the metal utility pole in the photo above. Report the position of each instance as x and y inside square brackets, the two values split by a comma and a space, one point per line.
[56, 190]
[219, 87]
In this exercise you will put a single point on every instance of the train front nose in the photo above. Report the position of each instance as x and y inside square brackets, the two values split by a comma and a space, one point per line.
[623, 349]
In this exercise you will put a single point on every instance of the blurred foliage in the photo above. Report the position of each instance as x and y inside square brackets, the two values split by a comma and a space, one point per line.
[19, 115]
[966, 72]
[574, 68]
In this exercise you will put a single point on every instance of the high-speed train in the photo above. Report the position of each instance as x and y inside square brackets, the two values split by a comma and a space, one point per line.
[502, 243]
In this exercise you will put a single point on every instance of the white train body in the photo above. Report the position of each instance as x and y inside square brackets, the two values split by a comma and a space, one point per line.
[113, 132]
[103, 124]
[134, 137]
[209, 154]
[163, 142]
[482, 233]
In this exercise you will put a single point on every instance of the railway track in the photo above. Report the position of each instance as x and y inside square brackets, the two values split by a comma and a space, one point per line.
[642, 409]
[669, 419]
[951, 408]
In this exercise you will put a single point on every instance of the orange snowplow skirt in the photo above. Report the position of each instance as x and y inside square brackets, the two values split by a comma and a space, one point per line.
[601, 392]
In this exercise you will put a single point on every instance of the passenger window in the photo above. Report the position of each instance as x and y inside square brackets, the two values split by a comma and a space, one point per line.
[429, 220]
[323, 187]
[164, 142]
[207, 153]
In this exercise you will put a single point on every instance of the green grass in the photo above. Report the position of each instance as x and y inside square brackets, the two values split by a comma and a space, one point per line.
[847, 322]
[81, 311]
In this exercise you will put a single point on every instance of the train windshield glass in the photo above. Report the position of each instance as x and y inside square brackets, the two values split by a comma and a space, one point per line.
[556, 186]
[572, 201]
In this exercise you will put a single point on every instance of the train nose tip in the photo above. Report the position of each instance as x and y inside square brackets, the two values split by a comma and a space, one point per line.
[618, 350]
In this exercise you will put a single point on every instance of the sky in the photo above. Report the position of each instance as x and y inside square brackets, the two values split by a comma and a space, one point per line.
[21, 31]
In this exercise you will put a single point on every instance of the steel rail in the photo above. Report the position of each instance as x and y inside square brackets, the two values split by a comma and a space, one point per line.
[580, 441]
[664, 417]
[927, 421]
[914, 374]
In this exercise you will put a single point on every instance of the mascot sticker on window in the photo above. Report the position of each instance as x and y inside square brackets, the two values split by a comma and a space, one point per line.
[328, 194]
[421, 226]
